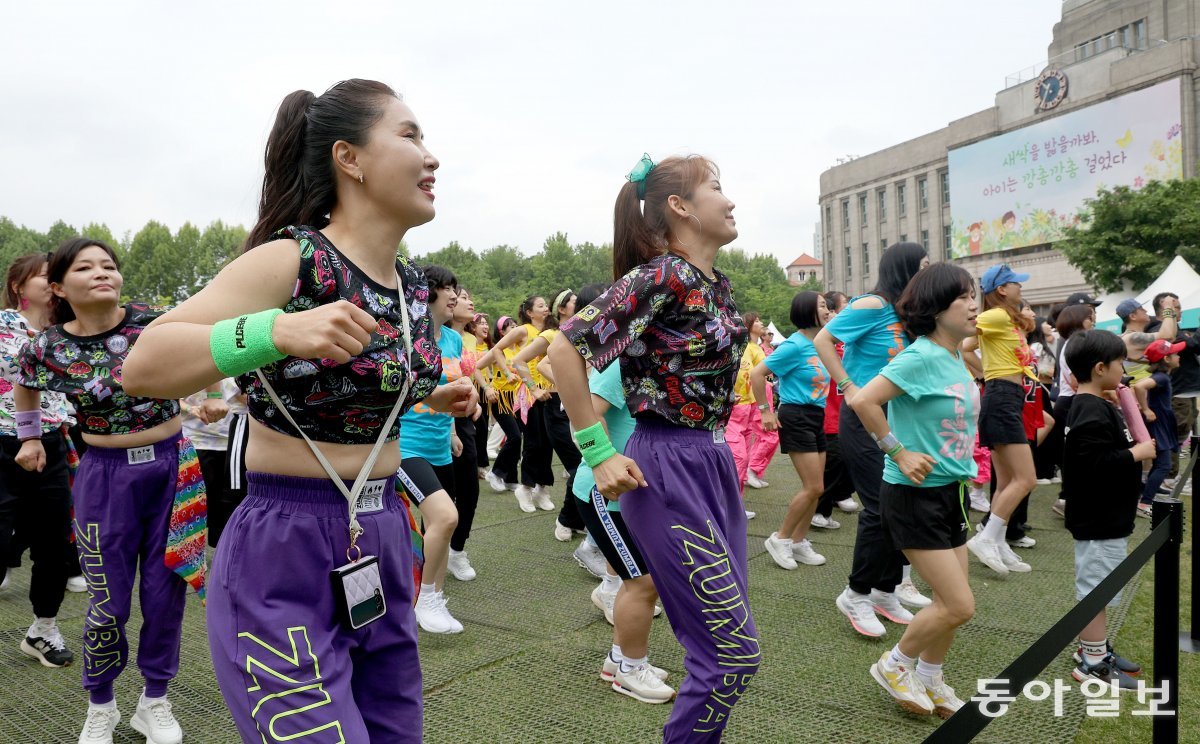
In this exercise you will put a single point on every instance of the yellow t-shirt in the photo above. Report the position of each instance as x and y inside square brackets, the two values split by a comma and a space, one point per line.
[480, 349]
[536, 376]
[1005, 351]
[741, 387]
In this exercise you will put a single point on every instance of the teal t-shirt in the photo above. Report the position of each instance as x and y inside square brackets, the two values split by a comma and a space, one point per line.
[936, 415]
[803, 380]
[424, 432]
[607, 385]
[873, 338]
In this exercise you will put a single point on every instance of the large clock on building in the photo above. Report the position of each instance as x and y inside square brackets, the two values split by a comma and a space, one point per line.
[1051, 89]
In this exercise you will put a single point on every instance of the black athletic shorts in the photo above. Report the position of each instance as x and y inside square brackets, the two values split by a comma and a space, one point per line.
[923, 518]
[1000, 414]
[418, 479]
[612, 537]
[801, 428]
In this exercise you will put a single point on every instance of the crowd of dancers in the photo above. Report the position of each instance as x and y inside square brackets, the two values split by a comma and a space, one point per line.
[271, 403]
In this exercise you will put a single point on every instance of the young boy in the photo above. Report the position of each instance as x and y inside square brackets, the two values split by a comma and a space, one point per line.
[1102, 482]
[1154, 398]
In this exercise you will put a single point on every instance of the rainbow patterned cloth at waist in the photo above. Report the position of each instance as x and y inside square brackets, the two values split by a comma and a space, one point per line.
[187, 531]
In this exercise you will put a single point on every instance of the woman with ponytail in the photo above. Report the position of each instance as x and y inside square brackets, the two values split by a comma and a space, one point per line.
[670, 322]
[328, 331]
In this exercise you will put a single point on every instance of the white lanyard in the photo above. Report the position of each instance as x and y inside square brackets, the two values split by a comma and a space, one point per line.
[353, 492]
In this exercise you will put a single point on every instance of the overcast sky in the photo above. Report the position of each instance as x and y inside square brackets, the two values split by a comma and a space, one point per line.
[122, 111]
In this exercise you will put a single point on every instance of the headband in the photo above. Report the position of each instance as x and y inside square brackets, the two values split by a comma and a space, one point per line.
[562, 297]
[639, 173]
[500, 321]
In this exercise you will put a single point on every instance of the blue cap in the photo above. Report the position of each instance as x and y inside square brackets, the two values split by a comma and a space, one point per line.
[1127, 308]
[1000, 275]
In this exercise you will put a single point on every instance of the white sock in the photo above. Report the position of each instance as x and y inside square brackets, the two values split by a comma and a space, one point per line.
[42, 625]
[993, 531]
[628, 665]
[455, 552]
[611, 583]
[615, 654]
[778, 538]
[897, 657]
[147, 699]
[906, 574]
[107, 706]
[427, 590]
[928, 673]
[1094, 652]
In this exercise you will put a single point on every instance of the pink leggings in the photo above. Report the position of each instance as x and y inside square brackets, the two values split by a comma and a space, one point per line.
[752, 447]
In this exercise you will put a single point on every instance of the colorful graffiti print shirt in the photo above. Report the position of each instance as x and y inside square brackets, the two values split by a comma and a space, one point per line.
[87, 369]
[679, 338]
[15, 335]
[348, 403]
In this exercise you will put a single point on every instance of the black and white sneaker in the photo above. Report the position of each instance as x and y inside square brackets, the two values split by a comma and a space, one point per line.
[1105, 672]
[1122, 664]
[45, 643]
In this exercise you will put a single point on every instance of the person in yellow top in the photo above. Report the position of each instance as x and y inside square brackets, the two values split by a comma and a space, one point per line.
[503, 474]
[752, 446]
[1009, 377]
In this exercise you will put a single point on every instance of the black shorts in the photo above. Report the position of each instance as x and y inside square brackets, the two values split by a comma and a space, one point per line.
[419, 480]
[923, 518]
[1000, 414]
[612, 537]
[801, 428]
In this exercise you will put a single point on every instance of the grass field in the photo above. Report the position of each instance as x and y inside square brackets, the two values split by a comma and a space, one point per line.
[526, 669]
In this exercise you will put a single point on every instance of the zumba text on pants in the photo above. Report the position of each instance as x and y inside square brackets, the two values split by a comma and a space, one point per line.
[286, 691]
[101, 638]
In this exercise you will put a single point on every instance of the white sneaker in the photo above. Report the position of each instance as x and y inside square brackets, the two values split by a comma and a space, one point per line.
[590, 558]
[861, 613]
[825, 523]
[989, 553]
[154, 720]
[561, 533]
[1011, 561]
[641, 683]
[908, 593]
[902, 684]
[1044, 481]
[1024, 542]
[605, 601]
[945, 702]
[608, 671]
[99, 725]
[803, 552]
[525, 499]
[432, 615]
[460, 566]
[77, 584]
[848, 505]
[495, 482]
[5, 580]
[45, 643]
[754, 481]
[750, 515]
[780, 549]
[541, 497]
[888, 605]
[979, 501]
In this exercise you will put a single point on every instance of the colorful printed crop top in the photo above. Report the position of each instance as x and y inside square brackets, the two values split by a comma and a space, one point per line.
[87, 369]
[678, 335]
[348, 403]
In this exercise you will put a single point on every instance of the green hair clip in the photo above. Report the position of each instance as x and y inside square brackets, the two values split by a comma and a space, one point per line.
[639, 173]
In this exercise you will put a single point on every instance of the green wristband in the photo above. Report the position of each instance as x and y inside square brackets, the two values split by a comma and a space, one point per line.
[240, 345]
[895, 451]
[594, 444]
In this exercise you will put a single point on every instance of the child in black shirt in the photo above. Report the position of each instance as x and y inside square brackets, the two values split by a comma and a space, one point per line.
[1101, 485]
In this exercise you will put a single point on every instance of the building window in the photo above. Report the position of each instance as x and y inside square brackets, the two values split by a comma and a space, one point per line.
[903, 237]
[862, 209]
[812, 275]
[925, 240]
[828, 219]
[945, 241]
[845, 214]
[881, 196]
[923, 193]
[849, 264]
[902, 197]
[866, 258]
[945, 178]
[1139, 34]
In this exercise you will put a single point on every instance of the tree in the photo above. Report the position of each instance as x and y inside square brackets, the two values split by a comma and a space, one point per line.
[759, 285]
[1127, 237]
[153, 270]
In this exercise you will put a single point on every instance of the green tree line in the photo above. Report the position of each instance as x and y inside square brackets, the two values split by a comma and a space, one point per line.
[166, 268]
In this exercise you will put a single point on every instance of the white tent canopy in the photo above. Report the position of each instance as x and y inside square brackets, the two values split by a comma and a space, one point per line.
[1179, 278]
[779, 337]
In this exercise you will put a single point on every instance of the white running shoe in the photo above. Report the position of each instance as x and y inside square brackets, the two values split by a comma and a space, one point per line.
[99, 725]
[154, 720]
[945, 702]
[754, 481]
[590, 558]
[825, 523]
[45, 643]
[1011, 561]
[803, 552]
[988, 553]
[541, 498]
[76, 584]
[848, 505]
[495, 482]
[608, 671]
[561, 533]
[902, 684]
[605, 601]
[6, 579]
[1044, 481]
[979, 501]
[907, 592]
[640, 683]
[432, 615]
[460, 566]
[750, 515]
[1024, 542]
[861, 613]
[888, 605]
[780, 549]
[525, 499]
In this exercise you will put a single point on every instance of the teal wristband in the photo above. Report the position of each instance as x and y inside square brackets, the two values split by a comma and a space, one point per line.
[594, 444]
[240, 345]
